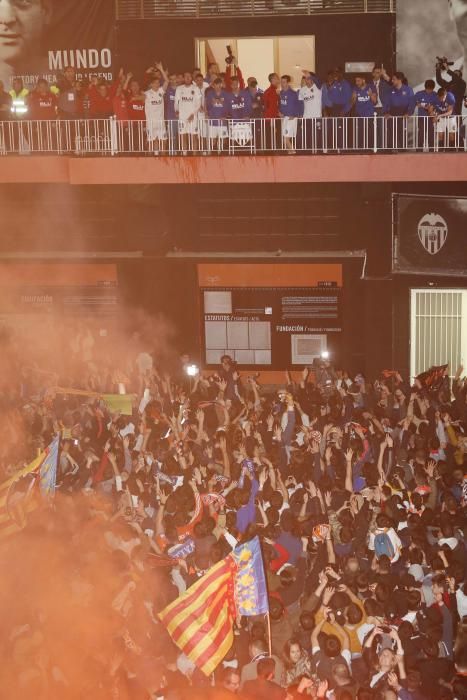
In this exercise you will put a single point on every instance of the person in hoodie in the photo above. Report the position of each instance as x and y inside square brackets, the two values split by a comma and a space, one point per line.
[290, 108]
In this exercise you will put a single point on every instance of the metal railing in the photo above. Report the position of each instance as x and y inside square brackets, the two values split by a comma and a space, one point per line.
[153, 9]
[229, 137]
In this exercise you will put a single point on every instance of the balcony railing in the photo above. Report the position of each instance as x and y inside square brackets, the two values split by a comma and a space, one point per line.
[154, 9]
[228, 137]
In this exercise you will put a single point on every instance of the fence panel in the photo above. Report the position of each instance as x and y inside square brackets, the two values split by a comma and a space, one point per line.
[203, 136]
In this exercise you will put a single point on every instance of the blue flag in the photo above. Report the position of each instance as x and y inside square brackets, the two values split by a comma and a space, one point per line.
[48, 470]
[251, 596]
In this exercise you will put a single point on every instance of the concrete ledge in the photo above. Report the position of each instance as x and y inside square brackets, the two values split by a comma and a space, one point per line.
[117, 170]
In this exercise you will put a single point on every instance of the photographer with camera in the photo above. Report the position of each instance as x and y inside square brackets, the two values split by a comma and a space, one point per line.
[457, 85]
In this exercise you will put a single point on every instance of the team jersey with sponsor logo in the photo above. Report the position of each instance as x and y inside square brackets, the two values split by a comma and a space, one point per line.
[289, 104]
[155, 104]
[443, 106]
[42, 106]
[217, 106]
[364, 106]
[312, 101]
[188, 101]
[424, 100]
[136, 104]
[399, 101]
[239, 105]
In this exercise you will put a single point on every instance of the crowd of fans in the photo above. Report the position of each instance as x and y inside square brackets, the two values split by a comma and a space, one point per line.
[189, 110]
[356, 489]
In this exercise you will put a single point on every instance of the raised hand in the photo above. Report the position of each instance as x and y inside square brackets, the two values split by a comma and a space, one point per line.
[430, 468]
[322, 578]
[322, 689]
[327, 595]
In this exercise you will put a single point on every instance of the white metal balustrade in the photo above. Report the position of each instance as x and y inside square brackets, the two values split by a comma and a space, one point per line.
[228, 137]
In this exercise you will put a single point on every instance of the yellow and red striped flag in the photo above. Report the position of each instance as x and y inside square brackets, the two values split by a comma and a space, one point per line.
[16, 498]
[19, 495]
[201, 620]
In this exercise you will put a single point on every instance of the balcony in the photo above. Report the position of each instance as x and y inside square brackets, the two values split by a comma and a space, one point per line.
[202, 9]
[341, 149]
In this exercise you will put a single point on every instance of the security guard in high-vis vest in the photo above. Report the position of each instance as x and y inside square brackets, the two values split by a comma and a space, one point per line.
[19, 105]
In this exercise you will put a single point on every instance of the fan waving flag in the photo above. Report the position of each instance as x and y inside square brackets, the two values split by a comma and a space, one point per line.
[433, 378]
[201, 620]
[19, 494]
[251, 597]
[16, 498]
[48, 471]
[119, 403]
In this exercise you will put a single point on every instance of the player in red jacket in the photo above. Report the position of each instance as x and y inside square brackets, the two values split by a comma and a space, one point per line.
[101, 97]
[271, 111]
[42, 104]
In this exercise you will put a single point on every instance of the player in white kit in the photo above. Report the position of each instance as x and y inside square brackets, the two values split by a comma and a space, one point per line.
[154, 109]
[188, 102]
[311, 97]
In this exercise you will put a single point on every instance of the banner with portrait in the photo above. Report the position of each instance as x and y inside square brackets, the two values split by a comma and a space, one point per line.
[427, 29]
[41, 38]
[429, 235]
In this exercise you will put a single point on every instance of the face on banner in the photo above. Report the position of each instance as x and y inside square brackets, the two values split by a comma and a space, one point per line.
[41, 38]
[459, 15]
[22, 24]
[426, 29]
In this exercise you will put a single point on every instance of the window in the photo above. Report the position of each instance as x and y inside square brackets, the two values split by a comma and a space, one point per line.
[438, 333]
[259, 56]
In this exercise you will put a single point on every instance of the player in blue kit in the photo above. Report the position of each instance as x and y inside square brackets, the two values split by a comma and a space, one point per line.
[337, 100]
[445, 120]
[400, 100]
[338, 95]
[399, 103]
[239, 102]
[290, 108]
[425, 101]
[217, 101]
[239, 112]
[364, 102]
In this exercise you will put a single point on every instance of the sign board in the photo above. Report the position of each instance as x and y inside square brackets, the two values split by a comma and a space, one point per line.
[430, 235]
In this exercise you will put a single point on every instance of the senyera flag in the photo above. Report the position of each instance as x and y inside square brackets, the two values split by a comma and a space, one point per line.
[201, 620]
[21, 493]
[433, 377]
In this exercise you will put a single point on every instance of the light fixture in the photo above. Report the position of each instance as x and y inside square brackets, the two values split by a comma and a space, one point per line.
[192, 370]
[325, 355]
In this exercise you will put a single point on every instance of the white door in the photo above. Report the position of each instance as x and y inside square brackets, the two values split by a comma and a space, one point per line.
[438, 329]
